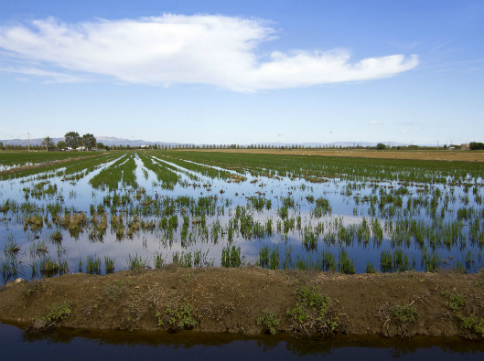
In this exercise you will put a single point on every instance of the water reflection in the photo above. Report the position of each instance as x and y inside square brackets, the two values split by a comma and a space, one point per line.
[82, 345]
[382, 224]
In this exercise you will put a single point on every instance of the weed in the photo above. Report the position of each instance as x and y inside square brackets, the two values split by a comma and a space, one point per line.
[57, 313]
[180, 317]
[400, 315]
[405, 314]
[313, 312]
[269, 321]
[456, 301]
[474, 324]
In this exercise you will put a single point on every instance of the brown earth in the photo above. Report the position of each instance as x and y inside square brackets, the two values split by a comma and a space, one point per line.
[442, 155]
[231, 300]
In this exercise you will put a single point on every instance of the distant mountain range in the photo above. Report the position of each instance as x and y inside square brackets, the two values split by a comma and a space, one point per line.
[109, 141]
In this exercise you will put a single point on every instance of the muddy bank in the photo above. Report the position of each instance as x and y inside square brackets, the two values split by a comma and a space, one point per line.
[252, 301]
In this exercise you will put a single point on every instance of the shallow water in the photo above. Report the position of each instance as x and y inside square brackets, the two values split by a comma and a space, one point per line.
[82, 345]
[298, 233]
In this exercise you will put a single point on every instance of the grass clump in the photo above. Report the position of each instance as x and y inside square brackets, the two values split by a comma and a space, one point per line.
[399, 315]
[405, 314]
[473, 324]
[57, 313]
[459, 306]
[456, 301]
[269, 321]
[179, 317]
[313, 312]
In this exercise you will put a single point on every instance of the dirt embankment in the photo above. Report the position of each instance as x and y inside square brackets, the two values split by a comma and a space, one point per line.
[251, 301]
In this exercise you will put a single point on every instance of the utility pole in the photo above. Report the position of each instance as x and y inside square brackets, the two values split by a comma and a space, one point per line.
[28, 137]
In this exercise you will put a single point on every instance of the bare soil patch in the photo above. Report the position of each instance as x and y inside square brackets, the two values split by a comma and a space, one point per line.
[233, 300]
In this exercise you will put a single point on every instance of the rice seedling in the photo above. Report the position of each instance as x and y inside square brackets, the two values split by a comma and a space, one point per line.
[109, 264]
[93, 265]
[63, 266]
[386, 261]
[159, 261]
[345, 263]
[310, 241]
[328, 261]
[136, 263]
[11, 248]
[10, 267]
[231, 257]
[56, 237]
[48, 267]
[370, 267]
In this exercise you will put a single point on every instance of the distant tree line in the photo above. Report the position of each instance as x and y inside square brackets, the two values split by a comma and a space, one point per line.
[476, 146]
[73, 141]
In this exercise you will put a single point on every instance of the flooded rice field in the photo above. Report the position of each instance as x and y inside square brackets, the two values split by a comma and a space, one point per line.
[146, 209]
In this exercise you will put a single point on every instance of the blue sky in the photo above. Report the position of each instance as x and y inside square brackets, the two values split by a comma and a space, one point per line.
[222, 72]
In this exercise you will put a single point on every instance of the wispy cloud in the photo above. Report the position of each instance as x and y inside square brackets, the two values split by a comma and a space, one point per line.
[174, 49]
[374, 122]
[48, 76]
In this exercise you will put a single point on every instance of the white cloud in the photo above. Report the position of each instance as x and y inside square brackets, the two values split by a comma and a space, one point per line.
[201, 49]
[374, 122]
[50, 76]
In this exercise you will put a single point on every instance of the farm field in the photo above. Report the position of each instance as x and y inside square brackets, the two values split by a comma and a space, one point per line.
[444, 155]
[302, 221]
[146, 209]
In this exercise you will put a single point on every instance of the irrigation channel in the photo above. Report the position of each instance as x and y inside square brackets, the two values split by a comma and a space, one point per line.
[148, 209]
[128, 346]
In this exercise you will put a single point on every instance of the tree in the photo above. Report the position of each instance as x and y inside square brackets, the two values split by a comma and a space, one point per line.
[100, 145]
[89, 141]
[381, 146]
[61, 144]
[72, 139]
[476, 146]
[48, 143]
